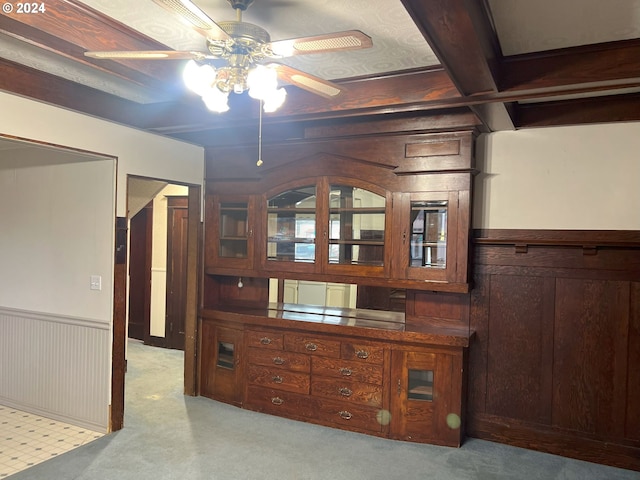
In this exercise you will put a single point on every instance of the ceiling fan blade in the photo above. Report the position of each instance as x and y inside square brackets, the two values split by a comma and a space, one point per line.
[148, 55]
[330, 42]
[194, 17]
[308, 82]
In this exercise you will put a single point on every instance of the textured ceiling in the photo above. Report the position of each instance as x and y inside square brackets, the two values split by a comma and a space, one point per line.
[397, 42]
[522, 26]
[478, 72]
[525, 26]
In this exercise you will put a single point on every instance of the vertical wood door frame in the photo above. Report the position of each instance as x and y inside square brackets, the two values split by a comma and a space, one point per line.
[194, 239]
[116, 413]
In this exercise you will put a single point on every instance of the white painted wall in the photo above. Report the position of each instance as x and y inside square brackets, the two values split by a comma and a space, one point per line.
[57, 229]
[581, 177]
[57, 213]
[138, 152]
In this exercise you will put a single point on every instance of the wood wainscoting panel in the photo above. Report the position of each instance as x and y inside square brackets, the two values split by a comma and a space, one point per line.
[632, 427]
[554, 362]
[520, 336]
[590, 356]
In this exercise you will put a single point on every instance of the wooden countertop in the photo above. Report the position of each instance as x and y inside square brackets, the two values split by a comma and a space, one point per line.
[368, 324]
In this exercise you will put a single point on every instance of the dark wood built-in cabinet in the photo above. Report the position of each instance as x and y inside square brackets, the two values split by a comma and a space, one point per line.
[530, 338]
[357, 370]
[374, 217]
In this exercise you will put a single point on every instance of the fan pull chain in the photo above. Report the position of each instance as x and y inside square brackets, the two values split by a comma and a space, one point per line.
[259, 162]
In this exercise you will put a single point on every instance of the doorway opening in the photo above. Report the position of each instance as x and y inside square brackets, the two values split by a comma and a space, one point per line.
[165, 286]
[158, 235]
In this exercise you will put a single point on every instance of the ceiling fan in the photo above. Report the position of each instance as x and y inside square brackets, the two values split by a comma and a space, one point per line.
[247, 52]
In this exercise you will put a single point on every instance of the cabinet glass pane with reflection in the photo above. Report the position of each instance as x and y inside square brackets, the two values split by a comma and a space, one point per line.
[291, 226]
[420, 385]
[356, 226]
[233, 230]
[428, 248]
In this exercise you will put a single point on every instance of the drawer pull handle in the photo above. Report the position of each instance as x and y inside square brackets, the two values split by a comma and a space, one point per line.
[363, 354]
[346, 371]
[345, 392]
[346, 415]
[265, 340]
[312, 347]
[277, 401]
[276, 379]
[278, 361]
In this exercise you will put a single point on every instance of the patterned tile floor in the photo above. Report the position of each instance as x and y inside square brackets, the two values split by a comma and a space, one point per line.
[27, 439]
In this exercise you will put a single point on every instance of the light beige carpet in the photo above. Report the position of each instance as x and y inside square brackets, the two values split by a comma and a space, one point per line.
[170, 436]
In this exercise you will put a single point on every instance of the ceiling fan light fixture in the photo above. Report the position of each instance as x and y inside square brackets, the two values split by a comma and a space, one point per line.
[275, 100]
[261, 82]
[263, 85]
[198, 78]
[216, 100]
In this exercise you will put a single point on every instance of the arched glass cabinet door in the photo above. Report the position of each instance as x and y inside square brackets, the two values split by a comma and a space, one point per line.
[357, 230]
[291, 226]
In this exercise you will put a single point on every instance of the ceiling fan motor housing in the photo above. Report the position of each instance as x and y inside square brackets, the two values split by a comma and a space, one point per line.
[247, 31]
[240, 4]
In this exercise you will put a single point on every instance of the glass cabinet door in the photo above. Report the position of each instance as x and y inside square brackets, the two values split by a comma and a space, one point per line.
[233, 239]
[291, 226]
[428, 246]
[229, 232]
[356, 226]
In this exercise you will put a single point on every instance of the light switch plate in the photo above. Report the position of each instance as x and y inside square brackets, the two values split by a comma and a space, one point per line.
[96, 282]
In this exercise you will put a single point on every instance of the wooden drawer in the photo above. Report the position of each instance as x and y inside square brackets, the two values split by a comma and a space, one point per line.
[363, 352]
[278, 402]
[312, 344]
[264, 339]
[295, 362]
[278, 379]
[354, 370]
[340, 389]
[350, 416]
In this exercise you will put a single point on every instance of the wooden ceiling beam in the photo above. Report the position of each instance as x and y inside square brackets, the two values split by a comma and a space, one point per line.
[55, 45]
[461, 35]
[606, 64]
[612, 108]
[387, 94]
[69, 28]
[47, 88]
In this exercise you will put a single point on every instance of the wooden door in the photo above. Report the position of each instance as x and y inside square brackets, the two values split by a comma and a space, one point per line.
[177, 227]
[140, 233]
